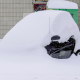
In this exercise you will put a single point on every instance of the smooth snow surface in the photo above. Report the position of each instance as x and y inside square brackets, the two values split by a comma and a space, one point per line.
[61, 4]
[38, 65]
[22, 52]
[0, 40]
[36, 30]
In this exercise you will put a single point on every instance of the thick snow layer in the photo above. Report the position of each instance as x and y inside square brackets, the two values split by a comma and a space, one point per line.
[0, 40]
[38, 65]
[22, 52]
[36, 30]
[60, 4]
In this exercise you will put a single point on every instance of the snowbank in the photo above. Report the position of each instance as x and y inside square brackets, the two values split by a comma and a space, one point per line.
[60, 4]
[0, 40]
[22, 56]
[36, 30]
[38, 65]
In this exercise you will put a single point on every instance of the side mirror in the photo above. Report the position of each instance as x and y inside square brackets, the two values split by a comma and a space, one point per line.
[56, 37]
[77, 52]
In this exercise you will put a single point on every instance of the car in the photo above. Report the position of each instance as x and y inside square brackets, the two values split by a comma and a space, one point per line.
[39, 47]
[48, 29]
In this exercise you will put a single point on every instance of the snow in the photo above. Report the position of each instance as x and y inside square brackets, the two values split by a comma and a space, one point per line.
[61, 4]
[0, 40]
[38, 65]
[22, 52]
[36, 30]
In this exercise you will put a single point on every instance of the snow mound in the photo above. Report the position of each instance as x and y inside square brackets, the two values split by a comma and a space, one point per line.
[38, 64]
[60, 4]
[22, 56]
[36, 30]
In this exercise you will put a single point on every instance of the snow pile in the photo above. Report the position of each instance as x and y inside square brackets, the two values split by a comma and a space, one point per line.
[0, 40]
[61, 4]
[36, 30]
[22, 52]
[38, 64]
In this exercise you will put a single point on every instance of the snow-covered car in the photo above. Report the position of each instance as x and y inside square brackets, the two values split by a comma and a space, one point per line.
[39, 29]
[23, 50]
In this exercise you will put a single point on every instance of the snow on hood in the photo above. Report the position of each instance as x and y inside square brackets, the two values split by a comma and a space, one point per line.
[36, 30]
[61, 4]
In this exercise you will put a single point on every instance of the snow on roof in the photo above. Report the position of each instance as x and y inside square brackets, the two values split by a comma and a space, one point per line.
[37, 28]
[60, 4]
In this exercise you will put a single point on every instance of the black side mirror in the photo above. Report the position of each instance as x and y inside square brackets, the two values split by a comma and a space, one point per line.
[77, 52]
[56, 37]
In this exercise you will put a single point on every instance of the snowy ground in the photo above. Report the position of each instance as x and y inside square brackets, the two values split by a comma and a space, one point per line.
[38, 77]
[0, 39]
[19, 67]
[38, 65]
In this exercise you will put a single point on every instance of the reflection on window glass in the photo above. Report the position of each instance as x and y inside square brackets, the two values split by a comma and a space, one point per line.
[39, 7]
